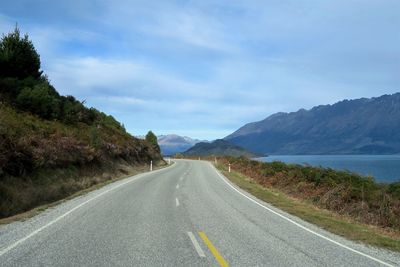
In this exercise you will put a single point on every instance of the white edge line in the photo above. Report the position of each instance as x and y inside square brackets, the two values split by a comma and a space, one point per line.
[299, 225]
[7, 249]
[196, 244]
[177, 202]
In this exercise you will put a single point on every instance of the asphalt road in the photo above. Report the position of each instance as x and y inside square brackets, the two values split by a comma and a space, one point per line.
[185, 215]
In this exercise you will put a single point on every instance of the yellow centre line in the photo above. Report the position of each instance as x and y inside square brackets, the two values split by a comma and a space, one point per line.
[213, 250]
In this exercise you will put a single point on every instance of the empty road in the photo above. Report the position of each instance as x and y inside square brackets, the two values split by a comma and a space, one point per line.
[184, 215]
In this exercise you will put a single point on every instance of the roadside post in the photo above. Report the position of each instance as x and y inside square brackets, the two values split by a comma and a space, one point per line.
[151, 165]
[229, 169]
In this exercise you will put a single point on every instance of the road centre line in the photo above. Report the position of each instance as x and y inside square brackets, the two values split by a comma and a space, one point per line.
[222, 262]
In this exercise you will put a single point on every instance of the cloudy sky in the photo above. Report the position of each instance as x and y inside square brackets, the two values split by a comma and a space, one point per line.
[204, 68]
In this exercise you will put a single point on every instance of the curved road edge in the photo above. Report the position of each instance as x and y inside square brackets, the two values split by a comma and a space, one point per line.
[280, 214]
[82, 200]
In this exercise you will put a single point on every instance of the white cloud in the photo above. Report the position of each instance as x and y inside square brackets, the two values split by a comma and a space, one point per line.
[90, 73]
[190, 27]
[208, 67]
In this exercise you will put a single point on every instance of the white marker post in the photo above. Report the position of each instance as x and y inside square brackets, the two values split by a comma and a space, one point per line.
[151, 165]
[229, 169]
[215, 160]
[169, 161]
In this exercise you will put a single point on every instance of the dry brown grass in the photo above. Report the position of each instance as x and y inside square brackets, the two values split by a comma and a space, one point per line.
[29, 199]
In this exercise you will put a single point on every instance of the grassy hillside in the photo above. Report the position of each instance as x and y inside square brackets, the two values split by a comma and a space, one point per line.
[341, 192]
[51, 145]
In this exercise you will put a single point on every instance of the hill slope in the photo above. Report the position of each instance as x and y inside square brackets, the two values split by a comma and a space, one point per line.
[51, 145]
[361, 126]
[218, 148]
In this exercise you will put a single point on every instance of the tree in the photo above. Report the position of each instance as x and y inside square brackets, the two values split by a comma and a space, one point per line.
[152, 139]
[18, 57]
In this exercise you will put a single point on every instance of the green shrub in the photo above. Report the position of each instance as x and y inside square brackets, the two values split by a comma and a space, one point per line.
[394, 188]
[70, 109]
[278, 166]
[42, 100]
[109, 121]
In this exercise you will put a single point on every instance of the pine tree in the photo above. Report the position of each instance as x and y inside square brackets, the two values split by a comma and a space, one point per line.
[152, 139]
[18, 57]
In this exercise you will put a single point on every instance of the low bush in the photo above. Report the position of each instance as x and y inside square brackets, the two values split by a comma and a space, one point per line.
[42, 100]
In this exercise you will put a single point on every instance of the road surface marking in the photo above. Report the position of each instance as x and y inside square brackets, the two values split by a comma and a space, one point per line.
[12, 246]
[177, 186]
[177, 202]
[301, 226]
[196, 245]
[213, 250]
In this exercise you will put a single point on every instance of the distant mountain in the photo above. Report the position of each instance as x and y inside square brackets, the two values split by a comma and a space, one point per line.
[361, 126]
[171, 144]
[218, 147]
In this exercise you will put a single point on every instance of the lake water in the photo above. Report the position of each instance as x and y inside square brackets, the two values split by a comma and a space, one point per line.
[385, 168]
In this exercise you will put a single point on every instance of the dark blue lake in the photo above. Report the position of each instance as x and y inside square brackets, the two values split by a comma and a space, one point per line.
[385, 168]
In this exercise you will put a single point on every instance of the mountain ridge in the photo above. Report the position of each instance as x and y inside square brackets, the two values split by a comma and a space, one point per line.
[171, 144]
[359, 126]
[218, 147]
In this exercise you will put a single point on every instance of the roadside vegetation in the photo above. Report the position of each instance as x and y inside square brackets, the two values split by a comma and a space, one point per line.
[151, 138]
[49, 142]
[342, 202]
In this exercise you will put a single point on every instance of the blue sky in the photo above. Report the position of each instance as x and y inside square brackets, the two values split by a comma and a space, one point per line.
[204, 68]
